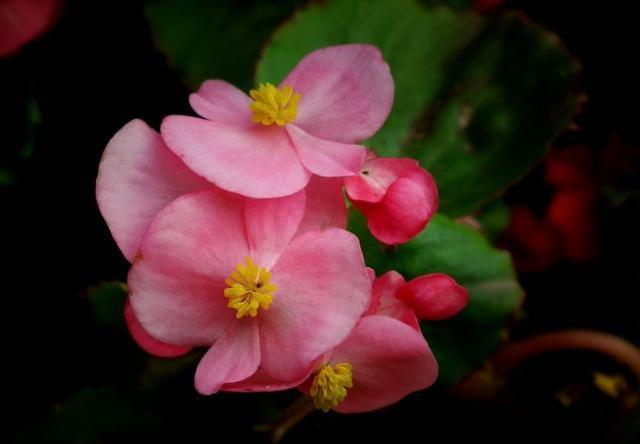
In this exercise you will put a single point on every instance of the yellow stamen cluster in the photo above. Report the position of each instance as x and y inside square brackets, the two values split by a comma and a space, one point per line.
[249, 288]
[329, 387]
[273, 105]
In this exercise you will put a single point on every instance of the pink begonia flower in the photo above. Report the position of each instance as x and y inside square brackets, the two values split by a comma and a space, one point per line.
[220, 270]
[381, 362]
[23, 20]
[139, 176]
[269, 144]
[396, 195]
[431, 297]
[385, 357]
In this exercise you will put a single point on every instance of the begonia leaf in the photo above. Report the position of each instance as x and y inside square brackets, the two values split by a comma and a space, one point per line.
[215, 40]
[478, 99]
[107, 303]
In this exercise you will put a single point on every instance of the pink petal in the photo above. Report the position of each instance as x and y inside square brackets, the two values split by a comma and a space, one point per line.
[177, 283]
[347, 92]
[384, 301]
[323, 289]
[146, 341]
[260, 381]
[325, 205]
[326, 158]
[389, 360]
[376, 176]
[434, 296]
[396, 195]
[372, 278]
[254, 161]
[234, 357]
[222, 102]
[137, 177]
[271, 224]
[23, 20]
[401, 217]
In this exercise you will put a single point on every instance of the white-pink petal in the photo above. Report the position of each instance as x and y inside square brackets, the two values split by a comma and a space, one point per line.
[220, 101]
[253, 161]
[346, 92]
[138, 176]
[234, 357]
[323, 289]
[271, 224]
[177, 283]
[324, 157]
[389, 360]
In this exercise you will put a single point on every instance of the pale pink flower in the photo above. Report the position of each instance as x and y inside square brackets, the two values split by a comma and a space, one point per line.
[139, 176]
[269, 144]
[396, 195]
[382, 361]
[231, 273]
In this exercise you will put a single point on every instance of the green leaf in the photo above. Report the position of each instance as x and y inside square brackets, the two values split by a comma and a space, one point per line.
[215, 40]
[494, 219]
[461, 343]
[478, 99]
[107, 302]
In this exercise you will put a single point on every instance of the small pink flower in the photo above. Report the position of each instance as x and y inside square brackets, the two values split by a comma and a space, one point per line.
[139, 176]
[431, 297]
[24, 20]
[231, 273]
[269, 144]
[397, 196]
[381, 362]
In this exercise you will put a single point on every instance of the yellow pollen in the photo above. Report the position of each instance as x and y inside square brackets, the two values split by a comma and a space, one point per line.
[249, 288]
[274, 105]
[329, 387]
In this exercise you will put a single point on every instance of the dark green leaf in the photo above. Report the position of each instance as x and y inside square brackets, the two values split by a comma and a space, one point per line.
[107, 302]
[215, 40]
[494, 219]
[478, 99]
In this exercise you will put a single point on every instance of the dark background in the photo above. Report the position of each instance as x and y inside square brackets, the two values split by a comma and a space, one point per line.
[97, 69]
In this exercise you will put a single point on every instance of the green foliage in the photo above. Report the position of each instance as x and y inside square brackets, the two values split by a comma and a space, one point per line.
[107, 302]
[462, 343]
[207, 40]
[494, 219]
[478, 99]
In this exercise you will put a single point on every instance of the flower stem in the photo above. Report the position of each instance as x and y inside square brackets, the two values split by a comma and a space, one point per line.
[295, 413]
[607, 344]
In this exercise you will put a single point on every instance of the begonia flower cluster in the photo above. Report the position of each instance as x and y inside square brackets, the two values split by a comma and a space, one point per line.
[234, 223]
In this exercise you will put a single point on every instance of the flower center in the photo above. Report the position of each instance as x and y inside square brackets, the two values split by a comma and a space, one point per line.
[249, 288]
[273, 105]
[329, 387]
